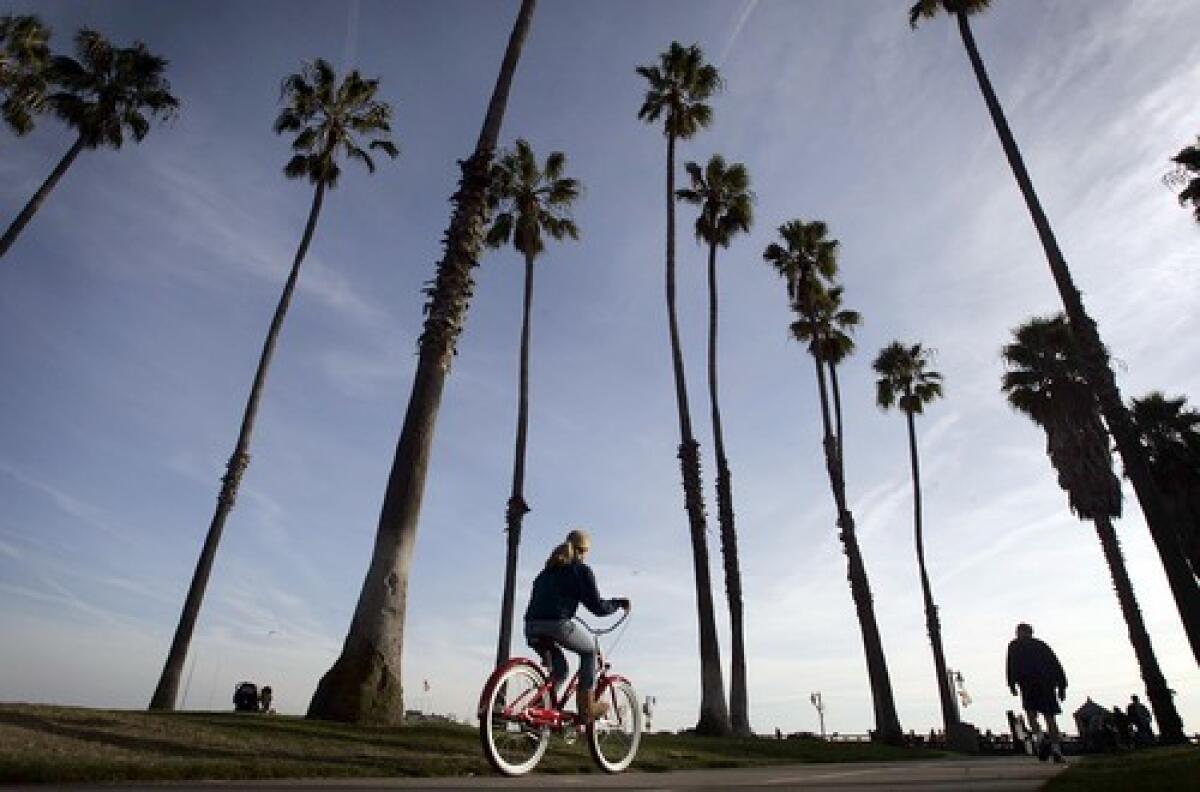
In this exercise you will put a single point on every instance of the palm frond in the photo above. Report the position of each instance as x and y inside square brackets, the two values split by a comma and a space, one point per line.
[500, 231]
[386, 146]
[356, 153]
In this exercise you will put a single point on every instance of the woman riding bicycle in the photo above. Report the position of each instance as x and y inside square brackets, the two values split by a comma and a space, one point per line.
[558, 590]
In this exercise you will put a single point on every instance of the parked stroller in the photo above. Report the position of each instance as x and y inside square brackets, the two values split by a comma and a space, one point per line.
[245, 697]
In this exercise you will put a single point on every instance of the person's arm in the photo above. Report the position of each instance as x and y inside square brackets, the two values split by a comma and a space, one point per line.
[1008, 671]
[1060, 676]
[589, 595]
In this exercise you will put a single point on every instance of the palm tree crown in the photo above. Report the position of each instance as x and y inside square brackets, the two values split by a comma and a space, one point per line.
[834, 324]
[1045, 381]
[1169, 428]
[1042, 369]
[928, 9]
[530, 200]
[1170, 432]
[24, 63]
[327, 117]
[806, 259]
[904, 379]
[679, 86]
[1186, 174]
[723, 194]
[110, 90]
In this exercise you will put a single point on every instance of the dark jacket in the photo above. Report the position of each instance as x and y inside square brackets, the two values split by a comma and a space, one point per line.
[1032, 662]
[559, 590]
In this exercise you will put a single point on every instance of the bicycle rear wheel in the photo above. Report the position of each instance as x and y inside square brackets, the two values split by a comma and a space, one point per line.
[511, 744]
[614, 739]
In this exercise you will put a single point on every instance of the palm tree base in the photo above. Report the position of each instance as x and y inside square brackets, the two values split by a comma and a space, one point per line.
[713, 725]
[361, 687]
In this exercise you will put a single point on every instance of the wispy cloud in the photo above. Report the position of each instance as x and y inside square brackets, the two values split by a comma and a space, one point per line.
[747, 9]
[350, 45]
[84, 512]
[232, 229]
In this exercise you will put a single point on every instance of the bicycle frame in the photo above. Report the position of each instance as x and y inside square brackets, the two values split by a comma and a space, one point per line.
[554, 718]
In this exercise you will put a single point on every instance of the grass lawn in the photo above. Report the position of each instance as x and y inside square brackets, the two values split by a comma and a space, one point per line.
[62, 744]
[1174, 769]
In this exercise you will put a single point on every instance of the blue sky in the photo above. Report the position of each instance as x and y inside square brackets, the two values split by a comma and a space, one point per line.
[133, 308]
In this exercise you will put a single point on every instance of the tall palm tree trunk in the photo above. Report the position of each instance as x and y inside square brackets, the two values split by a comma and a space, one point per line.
[949, 712]
[1169, 724]
[517, 507]
[39, 197]
[168, 683]
[837, 412]
[364, 683]
[1096, 368]
[887, 723]
[739, 707]
[714, 713]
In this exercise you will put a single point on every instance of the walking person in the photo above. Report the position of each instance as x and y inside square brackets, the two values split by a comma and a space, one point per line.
[1140, 718]
[1034, 668]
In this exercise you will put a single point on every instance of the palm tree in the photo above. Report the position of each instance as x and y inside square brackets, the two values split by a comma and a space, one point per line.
[834, 324]
[726, 208]
[808, 261]
[327, 117]
[1045, 381]
[1094, 359]
[364, 682]
[680, 84]
[532, 201]
[1170, 431]
[105, 94]
[24, 65]
[905, 381]
[1186, 174]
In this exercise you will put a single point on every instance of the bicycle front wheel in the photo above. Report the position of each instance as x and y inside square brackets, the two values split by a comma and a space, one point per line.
[614, 739]
[511, 743]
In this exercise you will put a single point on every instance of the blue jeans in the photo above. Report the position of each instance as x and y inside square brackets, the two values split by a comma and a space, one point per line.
[572, 635]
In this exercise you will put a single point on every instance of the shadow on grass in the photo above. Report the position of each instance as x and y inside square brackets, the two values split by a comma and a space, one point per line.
[95, 735]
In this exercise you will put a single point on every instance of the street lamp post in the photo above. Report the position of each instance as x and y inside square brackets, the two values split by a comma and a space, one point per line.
[815, 698]
[961, 698]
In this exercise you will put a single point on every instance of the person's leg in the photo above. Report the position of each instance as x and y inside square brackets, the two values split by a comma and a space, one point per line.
[1055, 737]
[542, 637]
[572, 635]
[1041, 741]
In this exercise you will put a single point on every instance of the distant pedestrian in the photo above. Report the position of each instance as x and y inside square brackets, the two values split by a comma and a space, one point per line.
[1140, 717]
[1123, 727]
[1033, 666]
[1091, 720]
[264, 699]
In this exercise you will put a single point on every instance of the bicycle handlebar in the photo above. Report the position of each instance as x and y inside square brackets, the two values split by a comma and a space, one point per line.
[607, 629]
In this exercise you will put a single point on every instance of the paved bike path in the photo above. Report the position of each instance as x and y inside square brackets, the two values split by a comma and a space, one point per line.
[1008, 774]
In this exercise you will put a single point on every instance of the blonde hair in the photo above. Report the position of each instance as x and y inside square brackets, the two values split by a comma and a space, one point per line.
[568, 552]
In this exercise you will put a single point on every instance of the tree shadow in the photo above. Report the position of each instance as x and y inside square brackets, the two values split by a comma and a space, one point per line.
[94, 731]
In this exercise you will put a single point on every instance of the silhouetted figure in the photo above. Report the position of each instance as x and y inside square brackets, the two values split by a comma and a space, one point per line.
[1140, 718]
[1033, 666]
[1092, 721]
[264, 699]
[1122, 726]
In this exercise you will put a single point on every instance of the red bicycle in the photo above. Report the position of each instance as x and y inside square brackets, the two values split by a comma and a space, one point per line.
[518, 712]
